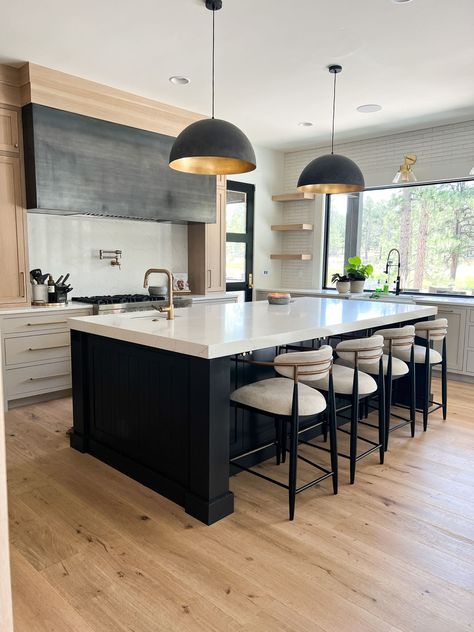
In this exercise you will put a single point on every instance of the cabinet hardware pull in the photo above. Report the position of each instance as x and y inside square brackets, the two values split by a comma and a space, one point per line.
[250, 282]
[447, 311]
[46, 377]
[210, 277]
[42, 348]
[52, 322]
[15, 145]
[22, 282]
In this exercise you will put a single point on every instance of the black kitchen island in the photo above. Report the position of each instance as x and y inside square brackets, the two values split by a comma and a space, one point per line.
[151, 396]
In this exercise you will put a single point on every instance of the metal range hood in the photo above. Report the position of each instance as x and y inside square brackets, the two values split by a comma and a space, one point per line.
[78, 165]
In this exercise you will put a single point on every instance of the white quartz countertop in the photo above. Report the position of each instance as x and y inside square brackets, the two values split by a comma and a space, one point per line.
[460, 301]
[212, 331]
[35, 309]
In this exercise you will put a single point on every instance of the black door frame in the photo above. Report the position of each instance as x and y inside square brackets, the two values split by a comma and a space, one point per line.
[247, 238]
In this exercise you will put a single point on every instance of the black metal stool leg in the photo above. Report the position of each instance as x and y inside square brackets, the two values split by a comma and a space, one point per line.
[332, 434]
[426, 394]
[412, 392]
[354, 426]
[293, 454]
[383, 434]
[284, 439]
[444, 381]
[278, 439]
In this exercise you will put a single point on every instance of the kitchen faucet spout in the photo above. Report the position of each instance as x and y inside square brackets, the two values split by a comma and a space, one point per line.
[170, 307]
[389, 264]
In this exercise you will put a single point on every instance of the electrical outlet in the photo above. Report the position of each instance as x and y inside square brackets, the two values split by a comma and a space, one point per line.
[265, 273]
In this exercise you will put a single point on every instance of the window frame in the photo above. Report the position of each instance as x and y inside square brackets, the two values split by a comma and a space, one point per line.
[354, 235]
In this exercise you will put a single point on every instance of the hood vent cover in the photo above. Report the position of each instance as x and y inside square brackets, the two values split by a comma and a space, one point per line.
[78, 165]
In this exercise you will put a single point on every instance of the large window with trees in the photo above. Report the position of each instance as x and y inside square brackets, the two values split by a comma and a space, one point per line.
[432, 225]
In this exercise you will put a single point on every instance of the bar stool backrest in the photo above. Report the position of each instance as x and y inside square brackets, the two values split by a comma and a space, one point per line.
[401, 338]
[367, 350]
[432, 329]
[310, 365]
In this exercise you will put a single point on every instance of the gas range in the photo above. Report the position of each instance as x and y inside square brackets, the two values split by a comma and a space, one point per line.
[119, 303]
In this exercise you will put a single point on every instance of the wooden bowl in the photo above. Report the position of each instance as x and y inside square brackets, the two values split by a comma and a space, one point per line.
[278, 298]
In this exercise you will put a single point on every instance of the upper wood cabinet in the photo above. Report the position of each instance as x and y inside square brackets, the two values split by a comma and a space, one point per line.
[206, 249]
[13, 253]
[9, 130]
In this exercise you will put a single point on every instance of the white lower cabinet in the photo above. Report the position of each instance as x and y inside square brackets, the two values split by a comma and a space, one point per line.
[36, 353]
[456, 317]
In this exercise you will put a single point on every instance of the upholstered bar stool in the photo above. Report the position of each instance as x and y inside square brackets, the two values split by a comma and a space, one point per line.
[401, 341]
[290, 402]
[428, 332]
[353, 383]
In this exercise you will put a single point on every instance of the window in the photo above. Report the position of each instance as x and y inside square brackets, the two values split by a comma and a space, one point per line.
[432, 225]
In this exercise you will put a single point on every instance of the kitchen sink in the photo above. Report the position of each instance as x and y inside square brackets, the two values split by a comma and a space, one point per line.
[386, 299]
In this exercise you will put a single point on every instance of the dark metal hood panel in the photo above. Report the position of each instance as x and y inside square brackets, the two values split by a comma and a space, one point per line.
[78, 165]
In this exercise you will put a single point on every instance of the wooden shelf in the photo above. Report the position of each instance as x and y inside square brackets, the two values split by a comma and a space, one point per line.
[285, 227]
[299, 257]
[292, 197]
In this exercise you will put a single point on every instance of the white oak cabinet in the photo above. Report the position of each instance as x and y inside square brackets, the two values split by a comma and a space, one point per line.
[13, 249]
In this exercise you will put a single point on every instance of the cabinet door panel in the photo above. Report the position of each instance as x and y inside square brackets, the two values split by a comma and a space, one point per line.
[456, 317]
[12, 247]
[9, 140]
[215, 248]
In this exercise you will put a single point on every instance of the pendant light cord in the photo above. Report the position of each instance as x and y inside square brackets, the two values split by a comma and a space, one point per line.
[213, 57]
[333, 113]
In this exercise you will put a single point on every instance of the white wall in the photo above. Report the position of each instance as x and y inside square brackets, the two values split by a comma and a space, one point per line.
[71, 244]
[444, 152]
[268, 178]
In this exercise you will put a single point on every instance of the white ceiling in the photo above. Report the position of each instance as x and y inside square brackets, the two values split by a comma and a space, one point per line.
[416, 59]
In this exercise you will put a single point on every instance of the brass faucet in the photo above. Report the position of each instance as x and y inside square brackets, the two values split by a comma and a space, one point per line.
[170, 309]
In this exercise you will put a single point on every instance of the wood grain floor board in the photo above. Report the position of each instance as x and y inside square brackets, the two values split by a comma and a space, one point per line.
[391, 554]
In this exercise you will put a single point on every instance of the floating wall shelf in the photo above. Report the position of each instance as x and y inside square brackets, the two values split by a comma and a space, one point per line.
[286, 227]
[299, 257]
[292, 197]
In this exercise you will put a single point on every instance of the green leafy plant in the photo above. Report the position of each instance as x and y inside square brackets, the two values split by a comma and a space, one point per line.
[343, 278]
[357, 271]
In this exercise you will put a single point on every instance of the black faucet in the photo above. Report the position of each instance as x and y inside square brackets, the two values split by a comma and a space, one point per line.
[389, 264]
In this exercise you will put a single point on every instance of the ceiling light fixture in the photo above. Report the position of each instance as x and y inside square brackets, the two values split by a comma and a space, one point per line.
[212, 146]
[331, 173]
[305, 124]
[178, 80]
[401, 1]
[405, 173]
[368, 108]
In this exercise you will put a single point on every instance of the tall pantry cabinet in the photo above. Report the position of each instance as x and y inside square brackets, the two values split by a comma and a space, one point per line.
[13, 247]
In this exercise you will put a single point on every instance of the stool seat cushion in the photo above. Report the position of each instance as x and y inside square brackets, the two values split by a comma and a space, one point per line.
[343, 380]
[275, 396]
[399, 367]
[420, 354]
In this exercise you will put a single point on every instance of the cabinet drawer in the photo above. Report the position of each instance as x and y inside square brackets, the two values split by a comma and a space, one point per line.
[470, 361]
[26, 349]
[471, 315]
[38, 379]
[36, 323]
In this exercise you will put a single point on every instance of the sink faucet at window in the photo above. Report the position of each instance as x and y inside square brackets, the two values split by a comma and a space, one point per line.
[390, 264]
[170, 308]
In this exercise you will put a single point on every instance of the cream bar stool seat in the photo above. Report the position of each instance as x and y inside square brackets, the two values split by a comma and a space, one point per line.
[354, 385]
[289, 402]
[399, 347]
[430, 331]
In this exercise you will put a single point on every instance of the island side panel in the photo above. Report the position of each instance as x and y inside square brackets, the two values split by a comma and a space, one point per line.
[209, 498]
[135, 408]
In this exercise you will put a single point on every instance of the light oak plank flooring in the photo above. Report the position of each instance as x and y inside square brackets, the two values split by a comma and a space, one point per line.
[93, 551]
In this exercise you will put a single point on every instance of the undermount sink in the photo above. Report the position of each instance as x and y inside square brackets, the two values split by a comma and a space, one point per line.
[386, 299]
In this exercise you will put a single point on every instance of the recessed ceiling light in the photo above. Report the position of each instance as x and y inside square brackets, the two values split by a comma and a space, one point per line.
[401, 1]
[178, 80]
[369, 107]
[305, 124]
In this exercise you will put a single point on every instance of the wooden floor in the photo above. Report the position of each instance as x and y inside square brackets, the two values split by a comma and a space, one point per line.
[93, 551]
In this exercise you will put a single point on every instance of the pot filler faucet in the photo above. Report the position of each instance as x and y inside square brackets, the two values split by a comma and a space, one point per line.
[390, 264]
[170, 309]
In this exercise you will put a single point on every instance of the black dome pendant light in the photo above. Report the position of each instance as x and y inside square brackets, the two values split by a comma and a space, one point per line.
[212, 146]
[331, 173]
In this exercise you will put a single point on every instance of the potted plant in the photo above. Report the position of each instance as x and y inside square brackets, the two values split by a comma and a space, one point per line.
[342, 281]
[358, 273]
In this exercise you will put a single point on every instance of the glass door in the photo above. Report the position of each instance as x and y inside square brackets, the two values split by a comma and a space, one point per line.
[239, 237]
